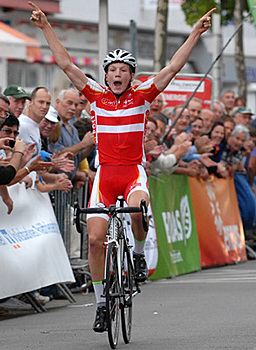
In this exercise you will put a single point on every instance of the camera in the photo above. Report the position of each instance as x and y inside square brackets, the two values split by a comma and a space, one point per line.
[11, 143]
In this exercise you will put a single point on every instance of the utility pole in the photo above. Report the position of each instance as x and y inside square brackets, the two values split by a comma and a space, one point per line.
[103, 36]
[217, 44]
[134, 38]
[239, 51]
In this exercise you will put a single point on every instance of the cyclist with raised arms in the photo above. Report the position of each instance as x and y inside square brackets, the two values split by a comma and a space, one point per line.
[119, 115]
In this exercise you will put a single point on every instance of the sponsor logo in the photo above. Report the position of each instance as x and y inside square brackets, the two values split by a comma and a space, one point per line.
[231, 235]
[106, 102]
[178, 224]
[128, 102]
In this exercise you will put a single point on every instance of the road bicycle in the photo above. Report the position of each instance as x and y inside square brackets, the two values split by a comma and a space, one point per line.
[119, 283]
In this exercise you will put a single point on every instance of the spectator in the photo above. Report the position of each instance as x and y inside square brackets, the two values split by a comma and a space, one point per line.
[152, 149]
[157, 105]
[232, 154]
[218, 110]
[84, 126]
[8, 172]
[151, 129]
[181, 125]
[229, 125]
[208, 119]
[69, 140]
[251, 169]
[168, 113]
[47, 127]
[17, 97]
[83, 107]
[10, 128]
[239, 102]
[161, 121]
[4, 107]
[217, 136]
[243, 116]
[196, 129]
[227, 97]
[29, 124]
[183, 120]
[194, 108]
[167, 162]
[61, 184]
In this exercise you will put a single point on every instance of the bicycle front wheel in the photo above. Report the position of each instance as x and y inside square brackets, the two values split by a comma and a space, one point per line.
[126, 304]
[112, 296]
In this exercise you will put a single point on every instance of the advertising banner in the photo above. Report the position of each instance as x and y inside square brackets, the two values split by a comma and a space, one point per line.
[181, 88]
[32, 252]
[219, 225]
[178, 249]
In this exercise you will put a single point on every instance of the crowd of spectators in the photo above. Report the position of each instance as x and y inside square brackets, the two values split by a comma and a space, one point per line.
[50, 145]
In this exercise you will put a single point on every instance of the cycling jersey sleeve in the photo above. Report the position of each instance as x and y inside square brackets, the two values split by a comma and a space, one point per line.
[92, 90]
[148, 90]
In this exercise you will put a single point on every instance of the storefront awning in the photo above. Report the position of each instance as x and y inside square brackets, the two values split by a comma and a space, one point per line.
[16, 45]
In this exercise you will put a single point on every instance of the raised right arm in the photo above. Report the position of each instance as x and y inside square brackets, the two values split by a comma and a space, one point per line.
[61, 55]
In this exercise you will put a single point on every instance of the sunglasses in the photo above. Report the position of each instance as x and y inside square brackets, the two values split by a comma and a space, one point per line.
[10, 131]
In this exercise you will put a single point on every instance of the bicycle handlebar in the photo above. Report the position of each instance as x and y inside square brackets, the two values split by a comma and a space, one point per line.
[111, 210]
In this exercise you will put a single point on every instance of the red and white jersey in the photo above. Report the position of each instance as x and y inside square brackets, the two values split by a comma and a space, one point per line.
[119, 123]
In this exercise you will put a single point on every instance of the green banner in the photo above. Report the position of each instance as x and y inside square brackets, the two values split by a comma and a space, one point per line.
[178, 248]
[251, 4]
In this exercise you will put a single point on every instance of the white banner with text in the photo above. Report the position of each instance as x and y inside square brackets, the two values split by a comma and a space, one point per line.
[32, 252]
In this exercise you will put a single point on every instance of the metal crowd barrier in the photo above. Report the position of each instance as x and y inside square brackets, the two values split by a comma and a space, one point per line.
[63, 205]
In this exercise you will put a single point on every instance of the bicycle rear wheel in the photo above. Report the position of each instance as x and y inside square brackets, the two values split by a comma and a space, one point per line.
[112, 290]
[126, 303]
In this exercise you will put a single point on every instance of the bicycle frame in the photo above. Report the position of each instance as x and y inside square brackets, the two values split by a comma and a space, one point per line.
[117, 236]
[118, 288]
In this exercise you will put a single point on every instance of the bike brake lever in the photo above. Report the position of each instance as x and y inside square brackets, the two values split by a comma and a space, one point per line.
[76, 218]
[144, 211]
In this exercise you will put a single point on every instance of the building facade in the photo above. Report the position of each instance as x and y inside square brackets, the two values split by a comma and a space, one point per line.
[76, 25]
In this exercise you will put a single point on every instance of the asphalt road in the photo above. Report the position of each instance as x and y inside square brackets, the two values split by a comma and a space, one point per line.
[210, 309]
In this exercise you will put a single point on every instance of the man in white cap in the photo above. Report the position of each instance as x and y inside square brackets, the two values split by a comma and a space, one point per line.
[243, 116]
[47, 126]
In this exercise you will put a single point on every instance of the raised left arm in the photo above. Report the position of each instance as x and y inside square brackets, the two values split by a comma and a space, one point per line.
[164, 77]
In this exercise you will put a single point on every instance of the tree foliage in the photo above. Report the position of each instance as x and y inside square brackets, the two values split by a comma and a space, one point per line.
[195, 9]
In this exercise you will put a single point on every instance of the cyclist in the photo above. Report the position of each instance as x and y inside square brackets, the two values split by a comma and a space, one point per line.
[119, 115]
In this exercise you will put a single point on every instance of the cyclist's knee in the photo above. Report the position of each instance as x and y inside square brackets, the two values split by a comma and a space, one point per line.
[136, 197]
[97, 229]
[96, 243]
[136, 218]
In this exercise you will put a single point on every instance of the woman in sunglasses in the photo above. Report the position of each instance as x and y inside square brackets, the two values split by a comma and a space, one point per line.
[9, 132]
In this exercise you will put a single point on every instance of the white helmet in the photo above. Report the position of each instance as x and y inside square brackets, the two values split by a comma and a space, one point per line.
[119, 55]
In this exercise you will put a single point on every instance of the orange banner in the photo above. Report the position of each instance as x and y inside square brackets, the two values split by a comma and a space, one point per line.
[219, 226]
